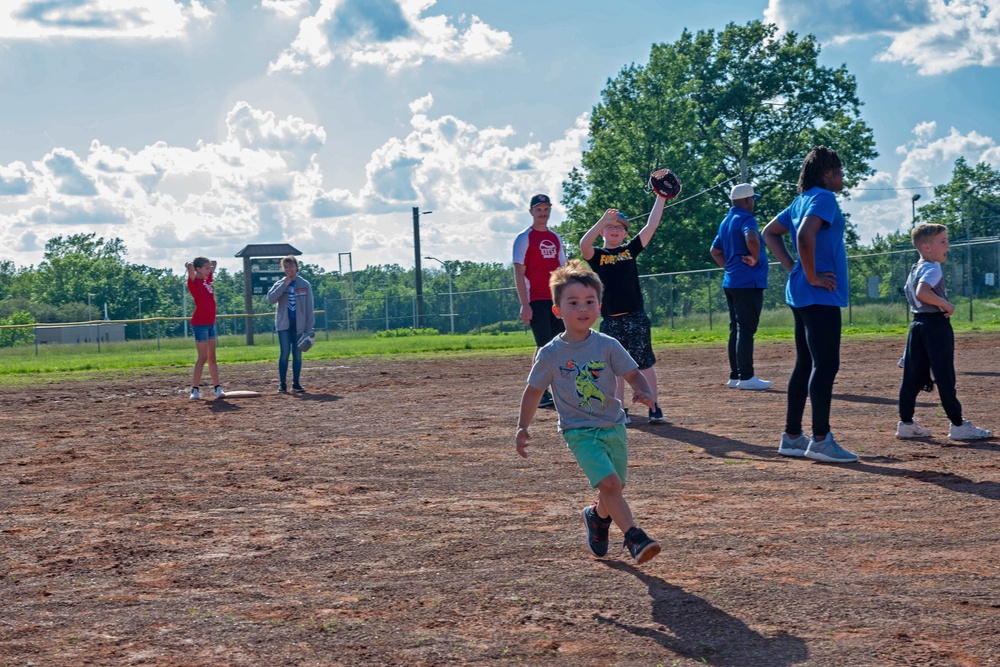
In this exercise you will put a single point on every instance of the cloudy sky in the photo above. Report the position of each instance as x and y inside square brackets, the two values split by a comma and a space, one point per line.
[191, 127]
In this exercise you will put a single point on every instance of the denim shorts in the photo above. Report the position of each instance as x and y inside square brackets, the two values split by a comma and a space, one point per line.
[203, 332]
[599, 451]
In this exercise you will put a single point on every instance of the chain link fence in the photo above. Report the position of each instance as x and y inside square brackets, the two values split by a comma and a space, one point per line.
[688, 300]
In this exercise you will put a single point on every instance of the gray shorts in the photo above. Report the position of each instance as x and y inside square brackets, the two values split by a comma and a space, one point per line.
[633, 332]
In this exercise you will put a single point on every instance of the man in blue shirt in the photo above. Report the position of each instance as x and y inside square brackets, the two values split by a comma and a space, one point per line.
[738, 249]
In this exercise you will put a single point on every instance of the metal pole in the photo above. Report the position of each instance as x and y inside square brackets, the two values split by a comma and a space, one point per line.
[417, 271]
[140, 317]
[451, 302]
[90, 316]
[968, 248]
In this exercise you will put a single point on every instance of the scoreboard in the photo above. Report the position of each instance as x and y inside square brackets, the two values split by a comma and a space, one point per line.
[264, 272]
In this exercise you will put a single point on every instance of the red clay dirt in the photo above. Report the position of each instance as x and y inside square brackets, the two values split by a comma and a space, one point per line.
[383, 518]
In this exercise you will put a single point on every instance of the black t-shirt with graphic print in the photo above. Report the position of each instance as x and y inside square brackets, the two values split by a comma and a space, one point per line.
[620, 275]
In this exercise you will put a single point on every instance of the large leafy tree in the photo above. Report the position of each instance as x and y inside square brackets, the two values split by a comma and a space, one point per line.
[969, 204]
[715, 108]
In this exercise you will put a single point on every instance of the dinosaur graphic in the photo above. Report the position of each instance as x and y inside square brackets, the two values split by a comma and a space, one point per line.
[586, 382]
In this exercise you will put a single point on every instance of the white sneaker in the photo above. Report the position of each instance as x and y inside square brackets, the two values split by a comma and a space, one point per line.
[733, 383]
[968, 431]
[911, 430]
[195, 394]
[902, 361]
[219, 393]
[755, 383]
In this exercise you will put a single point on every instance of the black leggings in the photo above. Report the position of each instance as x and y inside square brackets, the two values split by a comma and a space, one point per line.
[817, 360]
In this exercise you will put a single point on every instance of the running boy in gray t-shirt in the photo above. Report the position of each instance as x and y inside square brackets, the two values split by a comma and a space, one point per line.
[581, 365]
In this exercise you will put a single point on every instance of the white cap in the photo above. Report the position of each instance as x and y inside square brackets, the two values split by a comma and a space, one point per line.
[742, 191]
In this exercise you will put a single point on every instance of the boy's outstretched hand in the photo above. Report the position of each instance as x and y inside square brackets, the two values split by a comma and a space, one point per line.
[521, 442]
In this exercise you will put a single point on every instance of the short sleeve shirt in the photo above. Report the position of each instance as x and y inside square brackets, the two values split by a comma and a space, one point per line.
[582, 378]
[620, 275]
[925, 272]
[204, 301]
[541, 253]
[831, 252]
[731, 240]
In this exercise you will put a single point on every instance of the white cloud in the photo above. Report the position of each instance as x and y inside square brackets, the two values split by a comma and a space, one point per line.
[262, 182]
[884, 205]
[936, 36]
[390, 34]
[290, 9]
[101, 19]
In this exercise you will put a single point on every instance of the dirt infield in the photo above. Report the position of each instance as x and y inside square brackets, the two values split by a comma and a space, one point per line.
[383, 518]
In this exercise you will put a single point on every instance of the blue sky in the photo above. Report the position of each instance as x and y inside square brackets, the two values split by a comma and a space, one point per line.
[191, 127]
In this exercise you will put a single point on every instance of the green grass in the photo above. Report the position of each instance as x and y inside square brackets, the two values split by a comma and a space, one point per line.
[21, 366]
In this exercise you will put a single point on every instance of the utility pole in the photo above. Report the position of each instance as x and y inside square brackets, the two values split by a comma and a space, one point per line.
[417, 270]
[913, 204]
[968, 247]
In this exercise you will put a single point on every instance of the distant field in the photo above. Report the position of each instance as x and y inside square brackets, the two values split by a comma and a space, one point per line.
[25, 364]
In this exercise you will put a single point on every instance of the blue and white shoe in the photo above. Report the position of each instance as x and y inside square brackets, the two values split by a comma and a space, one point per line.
[793, 446]
[828, 451]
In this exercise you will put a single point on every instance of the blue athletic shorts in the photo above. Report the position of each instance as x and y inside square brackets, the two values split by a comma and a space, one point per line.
[203, 332]
[599, 451]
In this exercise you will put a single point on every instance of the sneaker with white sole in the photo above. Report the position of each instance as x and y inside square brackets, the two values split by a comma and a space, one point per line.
[640, 546]
[195, 394]
[656, 415]
[733, 383]
[218, 391]
[597, 531]
[628, 420]
[968, 431]
[793, 446]
[755, 384]
[547, 401]
[828, 451]
[911, 430]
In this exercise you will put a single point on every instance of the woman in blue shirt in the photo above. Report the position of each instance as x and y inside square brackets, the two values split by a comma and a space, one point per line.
[816, 291]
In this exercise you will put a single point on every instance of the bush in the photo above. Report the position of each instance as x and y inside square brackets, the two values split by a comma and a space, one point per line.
[508, 326]
[403, 333]
[12, 337]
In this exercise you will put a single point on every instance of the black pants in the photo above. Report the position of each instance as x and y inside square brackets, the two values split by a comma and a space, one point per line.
[930, 346]
[745, 304]
[817, 360]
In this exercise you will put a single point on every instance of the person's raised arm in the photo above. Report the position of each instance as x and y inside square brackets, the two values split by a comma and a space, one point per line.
[190, 269]
[653, 221]
[773, 235]
[587, 242]
[806, 238]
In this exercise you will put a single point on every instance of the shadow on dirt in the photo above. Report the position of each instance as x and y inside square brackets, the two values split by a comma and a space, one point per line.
[693, 628]
[946, 480]
[712, 444]
[319, 398]
[877, 400]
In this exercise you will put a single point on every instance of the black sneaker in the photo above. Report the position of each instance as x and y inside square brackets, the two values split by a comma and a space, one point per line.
[282, 388]
[640, 545]
[597, 531]
[547, 400]
[296, 387]
[656, 415]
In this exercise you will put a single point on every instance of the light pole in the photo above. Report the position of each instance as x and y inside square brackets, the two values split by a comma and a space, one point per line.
[90, 317]
[418, 276]
[968, 247]
[140, 318]
[451, 292]
[913, 204]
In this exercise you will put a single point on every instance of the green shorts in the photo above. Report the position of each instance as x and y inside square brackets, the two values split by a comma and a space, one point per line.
[599, 451]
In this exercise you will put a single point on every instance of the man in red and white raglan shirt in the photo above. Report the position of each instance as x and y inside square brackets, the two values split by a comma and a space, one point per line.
[538, 251]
